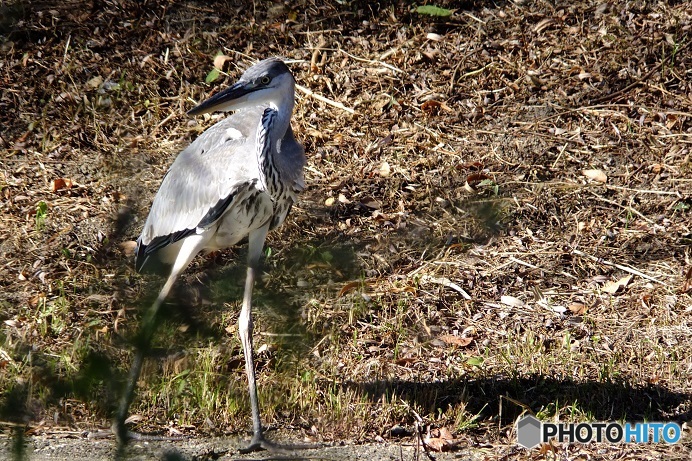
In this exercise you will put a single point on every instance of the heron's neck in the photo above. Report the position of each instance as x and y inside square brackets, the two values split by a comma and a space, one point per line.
[284, 110]
[272, 128]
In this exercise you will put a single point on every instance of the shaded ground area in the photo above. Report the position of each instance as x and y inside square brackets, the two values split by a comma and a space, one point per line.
[497, 222]
[218, 448]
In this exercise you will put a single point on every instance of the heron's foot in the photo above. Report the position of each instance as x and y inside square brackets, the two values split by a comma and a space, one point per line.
[122, 435]
[259, 443]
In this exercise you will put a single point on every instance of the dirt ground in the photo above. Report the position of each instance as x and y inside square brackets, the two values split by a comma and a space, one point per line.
[497, 221]
[65, 449]
[62, 449]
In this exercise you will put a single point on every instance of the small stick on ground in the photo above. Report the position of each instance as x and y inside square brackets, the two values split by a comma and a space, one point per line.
[419, 435]
[619, 266]
[317, 69]
[319, 97]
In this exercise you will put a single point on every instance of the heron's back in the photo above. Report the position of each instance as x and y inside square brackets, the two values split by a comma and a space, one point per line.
[214, 187]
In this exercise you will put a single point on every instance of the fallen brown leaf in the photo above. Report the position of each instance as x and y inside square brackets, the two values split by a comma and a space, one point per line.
[61, 183]
[441, 441]
[543, 25]
[128, 247]
[95, 82]
[578, 308]
[350, 286]
[687, 286]
[613, 287]
[456, 340]
[385, 170]
[474, 179]
[12, 323]
[512, 301]
[220, 60]
[547, 448]
[476, 165]
[431, 107]
[596, 175]
[370, 203]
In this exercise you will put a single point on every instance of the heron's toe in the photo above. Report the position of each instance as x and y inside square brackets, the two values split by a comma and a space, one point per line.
[258, 443]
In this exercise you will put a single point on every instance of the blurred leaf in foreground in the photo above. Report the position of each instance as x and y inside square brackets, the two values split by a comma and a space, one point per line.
[212, 75]
[432, 10]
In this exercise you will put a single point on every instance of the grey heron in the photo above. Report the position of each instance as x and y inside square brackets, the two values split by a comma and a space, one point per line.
[237, 179]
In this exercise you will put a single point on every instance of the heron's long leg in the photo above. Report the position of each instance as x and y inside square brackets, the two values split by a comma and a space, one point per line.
[245, 330]
[190, 247]
[256, 244]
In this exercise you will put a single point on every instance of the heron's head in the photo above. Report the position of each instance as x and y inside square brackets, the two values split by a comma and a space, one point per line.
[268, 81]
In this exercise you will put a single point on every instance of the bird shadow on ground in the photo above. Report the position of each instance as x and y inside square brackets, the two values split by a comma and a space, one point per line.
[503, 399]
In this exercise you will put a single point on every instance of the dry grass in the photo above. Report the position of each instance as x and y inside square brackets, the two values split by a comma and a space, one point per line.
[450, 259]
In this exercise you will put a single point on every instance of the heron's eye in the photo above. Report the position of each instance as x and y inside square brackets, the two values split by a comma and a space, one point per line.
[265, 80]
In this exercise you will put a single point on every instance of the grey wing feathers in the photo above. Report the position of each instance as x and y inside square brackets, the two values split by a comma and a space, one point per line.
[201, 183]
[291, 161]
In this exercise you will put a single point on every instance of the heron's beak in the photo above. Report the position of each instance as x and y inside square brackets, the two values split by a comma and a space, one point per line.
[229, 99]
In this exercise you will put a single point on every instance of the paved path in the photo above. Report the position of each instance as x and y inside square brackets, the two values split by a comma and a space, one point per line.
[202, 449]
